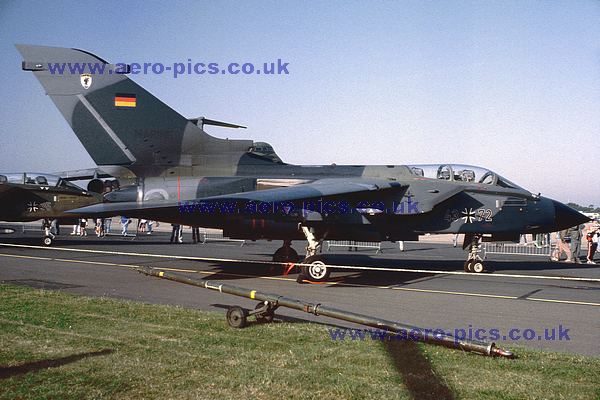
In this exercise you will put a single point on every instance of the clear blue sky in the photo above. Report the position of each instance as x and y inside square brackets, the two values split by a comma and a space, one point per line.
[511, 86]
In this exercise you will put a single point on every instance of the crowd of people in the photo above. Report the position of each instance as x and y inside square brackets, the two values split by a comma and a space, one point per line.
[568, 242]
[103, 227]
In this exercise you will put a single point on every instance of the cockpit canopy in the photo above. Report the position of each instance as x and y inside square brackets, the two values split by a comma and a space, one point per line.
[462, 173]
[37, 179]
[264, 150]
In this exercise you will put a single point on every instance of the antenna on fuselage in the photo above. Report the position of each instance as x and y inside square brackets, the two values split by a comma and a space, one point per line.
[201, 121]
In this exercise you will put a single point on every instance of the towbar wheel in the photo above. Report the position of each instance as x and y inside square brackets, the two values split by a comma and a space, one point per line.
[237, 317]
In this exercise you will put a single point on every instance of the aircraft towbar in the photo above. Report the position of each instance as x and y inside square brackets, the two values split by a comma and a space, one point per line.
[264, 311]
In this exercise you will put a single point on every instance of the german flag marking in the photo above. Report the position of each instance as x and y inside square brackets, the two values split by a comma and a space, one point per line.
[125, 100]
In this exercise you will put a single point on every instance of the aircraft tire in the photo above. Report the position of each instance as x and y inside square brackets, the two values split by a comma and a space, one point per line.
[478, 267]
[47, 241]
[318, 271]
[467, 266]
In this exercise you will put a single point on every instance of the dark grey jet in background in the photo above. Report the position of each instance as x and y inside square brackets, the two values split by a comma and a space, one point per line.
[183, 175]
[32, 196]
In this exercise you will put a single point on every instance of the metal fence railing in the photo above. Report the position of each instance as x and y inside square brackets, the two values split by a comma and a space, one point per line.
[217, 236]
[529, 249]
[353, 245]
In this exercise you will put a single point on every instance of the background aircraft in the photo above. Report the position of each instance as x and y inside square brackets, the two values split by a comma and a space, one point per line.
[33, 196]
[131, 134]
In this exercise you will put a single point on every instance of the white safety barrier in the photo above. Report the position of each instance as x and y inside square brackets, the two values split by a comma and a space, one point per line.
[217, 236]
[23, 227]
[353, 245]
[529, 249]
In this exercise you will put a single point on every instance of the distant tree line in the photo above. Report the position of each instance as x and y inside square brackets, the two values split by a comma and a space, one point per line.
[589, 209]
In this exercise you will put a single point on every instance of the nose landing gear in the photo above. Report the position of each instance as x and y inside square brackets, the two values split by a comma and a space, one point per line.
[48, 235]
[475, 260]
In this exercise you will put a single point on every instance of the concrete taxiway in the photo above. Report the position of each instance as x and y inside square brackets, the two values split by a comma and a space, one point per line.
[103, 267]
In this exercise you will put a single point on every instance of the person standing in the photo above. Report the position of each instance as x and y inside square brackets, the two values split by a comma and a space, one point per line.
[195, 234]
[125, 221]
[55, 227]
[98, 228]
[576, 242]
[537, 240]
[102, 227]
[76, 229]
[592, 238]
[150, 227]
[82, 226]
[107, 224]
[455, 240]
[562, 245]
[176, 233]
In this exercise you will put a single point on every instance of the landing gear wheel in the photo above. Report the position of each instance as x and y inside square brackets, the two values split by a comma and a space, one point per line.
[477, 266]
[468, 264]
[285, 254]
[237, 317]
[47, 240]
[265, 317]
[318, 271]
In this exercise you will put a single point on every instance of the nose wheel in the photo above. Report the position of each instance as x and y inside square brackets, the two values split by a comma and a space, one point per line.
[476, 266]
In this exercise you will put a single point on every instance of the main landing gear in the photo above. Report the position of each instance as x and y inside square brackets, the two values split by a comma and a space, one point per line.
[474, 261]
[317, 271]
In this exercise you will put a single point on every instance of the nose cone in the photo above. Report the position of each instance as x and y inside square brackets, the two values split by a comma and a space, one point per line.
[567, 217]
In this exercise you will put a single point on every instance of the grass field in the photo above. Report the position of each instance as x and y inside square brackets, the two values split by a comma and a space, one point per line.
[61, 346]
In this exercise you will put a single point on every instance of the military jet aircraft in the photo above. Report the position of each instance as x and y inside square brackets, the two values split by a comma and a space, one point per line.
[33, 196]
[244, 188]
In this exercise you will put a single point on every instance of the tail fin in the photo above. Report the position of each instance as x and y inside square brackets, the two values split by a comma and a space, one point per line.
[116, 120]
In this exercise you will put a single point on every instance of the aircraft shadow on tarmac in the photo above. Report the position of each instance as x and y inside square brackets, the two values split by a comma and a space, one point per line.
[418, 375]
[239, 271]
[417, 372]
